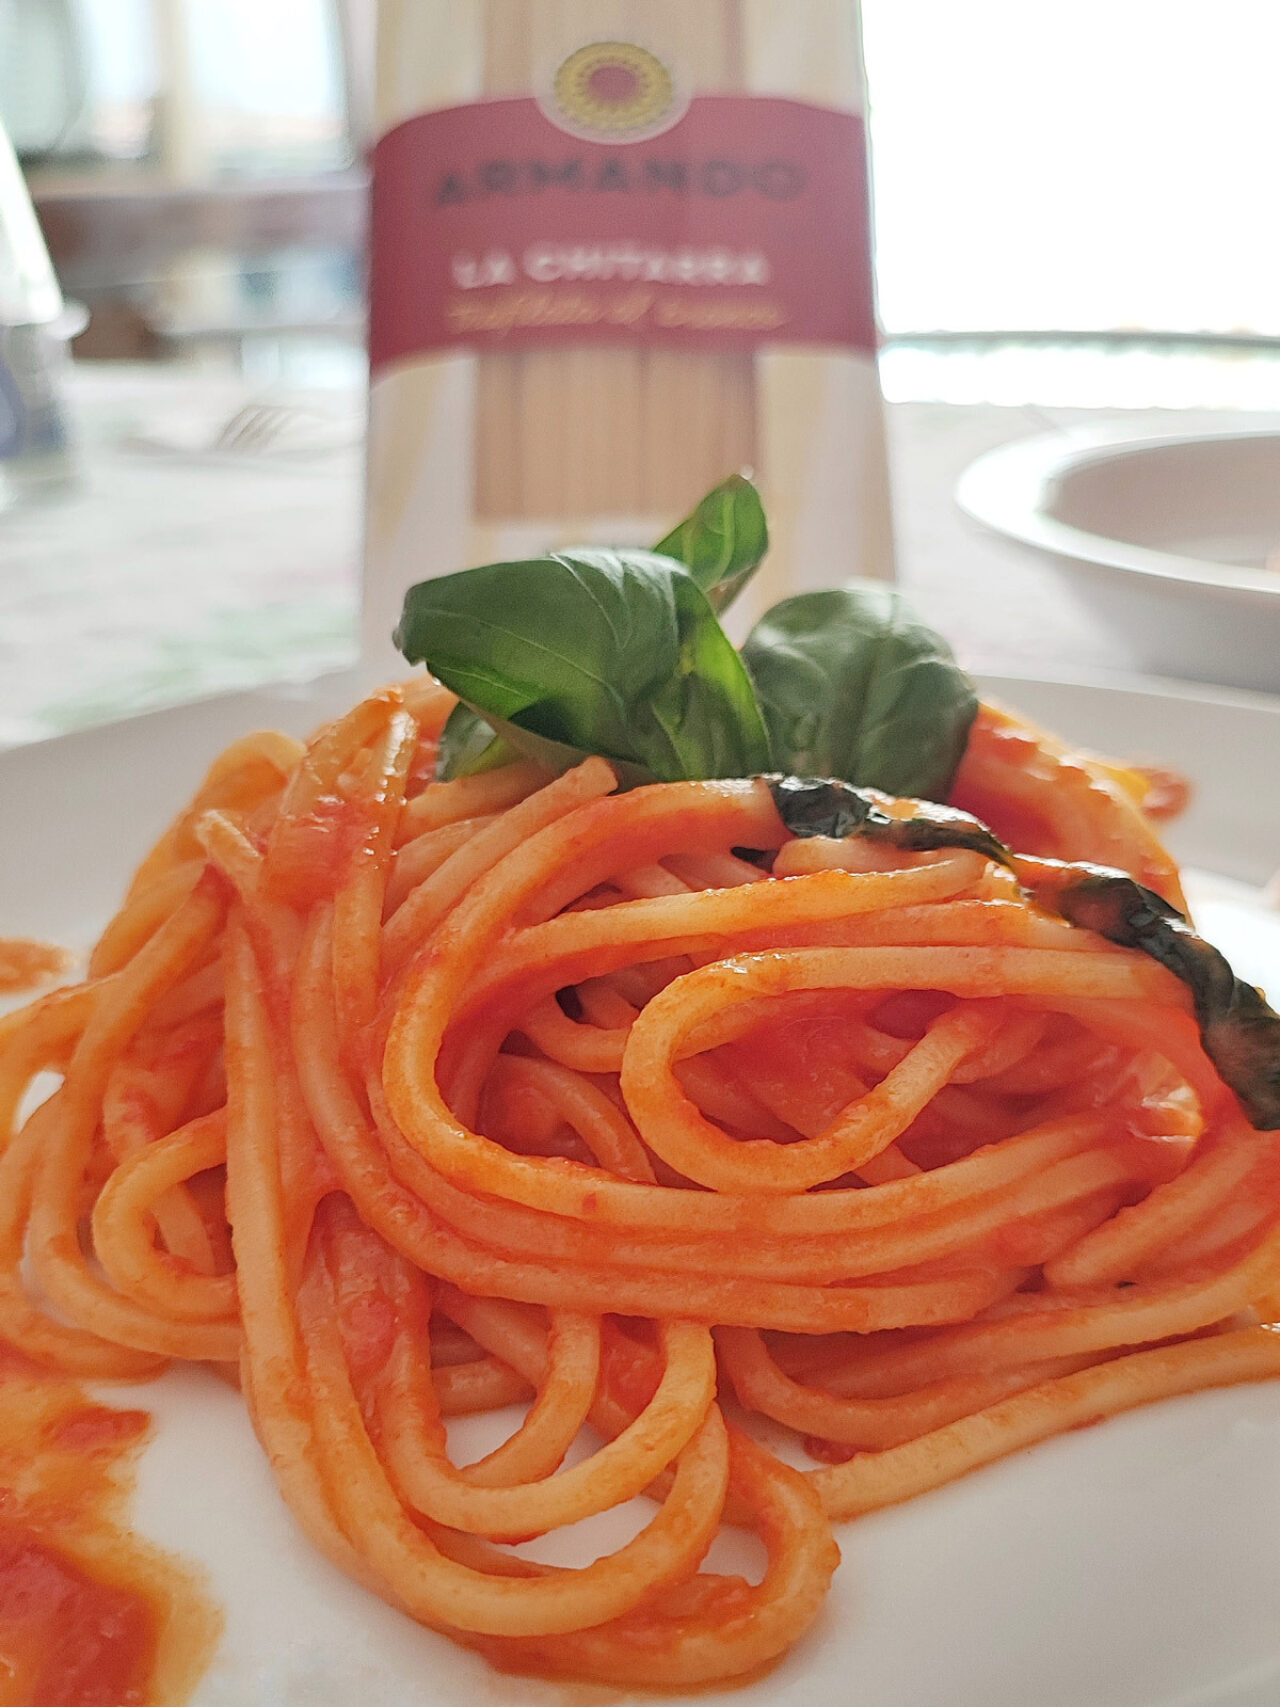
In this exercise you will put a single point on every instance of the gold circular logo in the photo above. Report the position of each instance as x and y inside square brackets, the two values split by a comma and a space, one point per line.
[614, 91]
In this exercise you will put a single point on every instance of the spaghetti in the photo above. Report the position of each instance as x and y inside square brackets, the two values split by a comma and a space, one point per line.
[621, 429]
[412, 1099]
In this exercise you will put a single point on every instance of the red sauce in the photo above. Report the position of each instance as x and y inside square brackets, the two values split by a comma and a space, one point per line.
[311, 853]
[828, 1451]
[90, 1616]
[632, 1371]
[1016, 822]
[908, 1014]
[66, 1637]
[24, 964]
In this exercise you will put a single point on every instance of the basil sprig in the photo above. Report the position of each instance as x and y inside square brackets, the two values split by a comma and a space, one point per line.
[469, 745]
[610, 652]
[853, 685]
[620, 653]
[721, 543]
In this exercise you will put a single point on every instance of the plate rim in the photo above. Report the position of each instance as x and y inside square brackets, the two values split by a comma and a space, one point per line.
[1007, 489]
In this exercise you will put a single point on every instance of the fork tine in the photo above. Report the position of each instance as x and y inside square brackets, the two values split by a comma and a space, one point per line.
[257, 429]
[252, 426]
[232, 428]
[255, 425]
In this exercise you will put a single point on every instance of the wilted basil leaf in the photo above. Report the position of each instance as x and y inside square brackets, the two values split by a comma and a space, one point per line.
[852, 685]
[822, 806]
[1240, 1032]
[723, 542]
[610, 652]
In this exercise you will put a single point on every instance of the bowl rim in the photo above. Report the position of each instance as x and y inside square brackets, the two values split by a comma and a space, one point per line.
[1008, 490]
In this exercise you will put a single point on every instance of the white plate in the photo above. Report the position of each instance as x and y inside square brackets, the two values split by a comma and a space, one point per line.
[1168, 536]
[1136, 1564]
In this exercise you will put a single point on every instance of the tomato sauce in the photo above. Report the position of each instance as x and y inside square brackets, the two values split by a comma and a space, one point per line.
[90, 1615]
[24, 964]
[312, 852]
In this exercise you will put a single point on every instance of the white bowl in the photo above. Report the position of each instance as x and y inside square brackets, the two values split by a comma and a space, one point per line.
[1169, 538]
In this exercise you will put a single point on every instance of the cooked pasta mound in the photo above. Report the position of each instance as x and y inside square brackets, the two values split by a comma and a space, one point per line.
[778, 1179]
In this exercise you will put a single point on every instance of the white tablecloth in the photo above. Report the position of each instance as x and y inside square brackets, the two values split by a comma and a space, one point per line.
[168, 575]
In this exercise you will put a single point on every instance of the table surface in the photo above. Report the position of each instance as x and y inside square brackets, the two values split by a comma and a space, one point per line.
[170, 572]
[1005, 611]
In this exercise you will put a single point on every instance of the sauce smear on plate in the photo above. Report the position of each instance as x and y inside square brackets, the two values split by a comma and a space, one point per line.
[25, 963]
[90, 1615]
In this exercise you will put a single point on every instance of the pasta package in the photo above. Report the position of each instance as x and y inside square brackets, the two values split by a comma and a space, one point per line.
[620, 251]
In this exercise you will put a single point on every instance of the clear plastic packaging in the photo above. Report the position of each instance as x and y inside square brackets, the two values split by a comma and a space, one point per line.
[35, 454]
[621, 248]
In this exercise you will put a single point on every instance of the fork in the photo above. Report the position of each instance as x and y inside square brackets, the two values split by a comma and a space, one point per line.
[256, 425]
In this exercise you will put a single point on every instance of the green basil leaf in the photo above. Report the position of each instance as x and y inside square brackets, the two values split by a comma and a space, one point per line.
[610, 652]
[509, 741]
[853, 686]
[473, 743]
[468, 746]
[723, 542]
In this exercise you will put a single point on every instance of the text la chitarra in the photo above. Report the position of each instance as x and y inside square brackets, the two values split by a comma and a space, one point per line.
[630, 262]
[777, 180]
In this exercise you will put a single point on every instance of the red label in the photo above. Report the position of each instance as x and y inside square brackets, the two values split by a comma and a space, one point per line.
[743, 224]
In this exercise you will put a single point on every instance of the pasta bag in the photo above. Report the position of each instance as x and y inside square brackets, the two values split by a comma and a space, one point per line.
[620, 250]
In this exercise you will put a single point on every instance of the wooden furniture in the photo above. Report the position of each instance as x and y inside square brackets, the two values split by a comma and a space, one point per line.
[118, 240]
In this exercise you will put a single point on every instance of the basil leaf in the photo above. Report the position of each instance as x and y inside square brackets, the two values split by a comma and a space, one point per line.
[508, 741]
[469, 746]
[723, 542]
[473, 743]
[1240, 1032]
[822, 806]
[852, 685]
[610, 652]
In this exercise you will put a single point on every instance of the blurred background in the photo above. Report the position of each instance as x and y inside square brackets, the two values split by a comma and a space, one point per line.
[195, 168]
[1073, 226]
[1097, 171]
